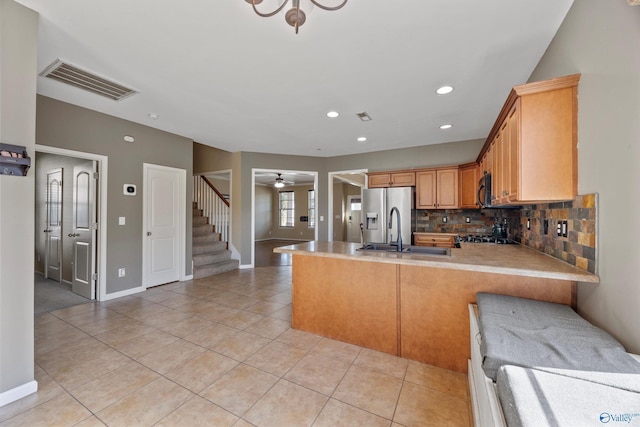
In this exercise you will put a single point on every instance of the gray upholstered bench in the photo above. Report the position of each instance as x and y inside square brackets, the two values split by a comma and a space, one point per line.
[515, 339]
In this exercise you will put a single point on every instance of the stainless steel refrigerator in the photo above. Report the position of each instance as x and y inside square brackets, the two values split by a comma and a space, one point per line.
[376, 207]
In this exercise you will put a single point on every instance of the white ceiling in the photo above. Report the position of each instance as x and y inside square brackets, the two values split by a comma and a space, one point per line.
[217, 73]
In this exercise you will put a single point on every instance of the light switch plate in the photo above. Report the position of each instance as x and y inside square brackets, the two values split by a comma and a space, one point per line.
[122, 220]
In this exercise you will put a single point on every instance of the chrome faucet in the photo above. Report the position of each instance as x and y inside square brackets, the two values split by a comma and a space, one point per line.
[399, 226]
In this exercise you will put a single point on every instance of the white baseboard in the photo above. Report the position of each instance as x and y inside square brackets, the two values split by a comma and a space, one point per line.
[18, 393]
[245, 266]
[186, 277]
[124, 293]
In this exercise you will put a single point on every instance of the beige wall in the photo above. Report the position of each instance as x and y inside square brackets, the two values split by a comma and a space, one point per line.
[300, 230]
[601, 40]
[341, 193]
[75, 128]
[264, 212]
[18, 74]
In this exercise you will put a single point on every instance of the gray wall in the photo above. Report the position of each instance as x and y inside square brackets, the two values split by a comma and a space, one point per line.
[75, 128]
[45, 163]
[264, 212]
[18, 74]
[601, 40]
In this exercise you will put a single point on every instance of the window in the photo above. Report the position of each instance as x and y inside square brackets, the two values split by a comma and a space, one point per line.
[287, 208]
[312, 208]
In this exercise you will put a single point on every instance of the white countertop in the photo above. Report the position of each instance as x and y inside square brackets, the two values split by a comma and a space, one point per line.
[517, 260]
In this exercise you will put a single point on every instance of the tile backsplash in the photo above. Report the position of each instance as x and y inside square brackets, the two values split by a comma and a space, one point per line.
[578, 248]
[480, 221]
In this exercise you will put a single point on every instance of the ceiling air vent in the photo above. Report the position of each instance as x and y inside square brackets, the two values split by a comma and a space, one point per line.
[74, 76]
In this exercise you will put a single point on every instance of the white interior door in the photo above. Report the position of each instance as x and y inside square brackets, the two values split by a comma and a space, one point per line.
[53, 227]
[84, 230]
[164, 207]
[354, 218]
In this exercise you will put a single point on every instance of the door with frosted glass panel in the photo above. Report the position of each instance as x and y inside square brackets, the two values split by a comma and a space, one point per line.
[53, 227]
[83, 235]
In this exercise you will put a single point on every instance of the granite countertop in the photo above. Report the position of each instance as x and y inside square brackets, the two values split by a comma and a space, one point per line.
[517, 260]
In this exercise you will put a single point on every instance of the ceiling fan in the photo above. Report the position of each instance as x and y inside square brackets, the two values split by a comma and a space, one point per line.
[280, 182]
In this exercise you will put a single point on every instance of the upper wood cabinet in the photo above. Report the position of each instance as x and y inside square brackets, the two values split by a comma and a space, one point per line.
[437, 188]
[392, 179]
[533, 144]
[468, 177]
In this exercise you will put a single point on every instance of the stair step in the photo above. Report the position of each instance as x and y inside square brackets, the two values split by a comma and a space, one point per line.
[201, 229]
[216, 268]
[203, 248]
[211, 258]
[211, 237]
[200, 220]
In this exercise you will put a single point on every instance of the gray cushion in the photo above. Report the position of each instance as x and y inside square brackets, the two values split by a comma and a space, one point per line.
[534, 398]
[523, 332]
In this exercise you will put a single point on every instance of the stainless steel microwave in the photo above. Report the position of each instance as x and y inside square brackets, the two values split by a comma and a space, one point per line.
[484, 191]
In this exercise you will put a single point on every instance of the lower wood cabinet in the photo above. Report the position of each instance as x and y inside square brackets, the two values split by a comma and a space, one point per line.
[411, 311]
[438, 240]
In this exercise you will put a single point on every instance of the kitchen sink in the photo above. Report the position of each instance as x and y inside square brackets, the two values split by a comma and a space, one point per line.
[411, 249]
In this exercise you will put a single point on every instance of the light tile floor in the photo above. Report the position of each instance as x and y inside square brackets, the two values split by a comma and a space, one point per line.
[220, 352]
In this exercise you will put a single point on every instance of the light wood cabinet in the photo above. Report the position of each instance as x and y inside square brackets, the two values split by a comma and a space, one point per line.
[437, 188]
[438, 240]
[468, 177]
[392, 179]
[410, 311]
[534, 144]
[426, 189]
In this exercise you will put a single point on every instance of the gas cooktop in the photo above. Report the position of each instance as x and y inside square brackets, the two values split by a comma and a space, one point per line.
[484, 238]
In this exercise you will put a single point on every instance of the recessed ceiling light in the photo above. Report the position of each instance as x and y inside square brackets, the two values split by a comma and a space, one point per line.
[444, 90]
[447, 126]
[362, 139]
[154, 116]
[333, 114]
[129, 138]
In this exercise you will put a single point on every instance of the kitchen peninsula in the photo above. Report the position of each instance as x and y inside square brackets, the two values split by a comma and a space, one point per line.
[415, 305]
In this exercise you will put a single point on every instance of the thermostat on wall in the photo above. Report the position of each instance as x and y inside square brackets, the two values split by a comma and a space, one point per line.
[129, 190]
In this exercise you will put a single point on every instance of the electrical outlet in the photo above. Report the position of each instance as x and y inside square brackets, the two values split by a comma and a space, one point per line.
[467, 220]
[444, 219]
[121, 272]
[559, 228]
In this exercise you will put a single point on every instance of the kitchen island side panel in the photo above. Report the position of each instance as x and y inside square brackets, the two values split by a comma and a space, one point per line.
[350, 301]
[434, 318]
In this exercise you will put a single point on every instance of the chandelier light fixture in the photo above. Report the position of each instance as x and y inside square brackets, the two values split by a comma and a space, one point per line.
[295, 16]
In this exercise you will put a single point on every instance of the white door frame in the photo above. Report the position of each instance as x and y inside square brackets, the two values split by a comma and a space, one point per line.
[181, 238]
[331, 176]
[103, 168]
[253, 205]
